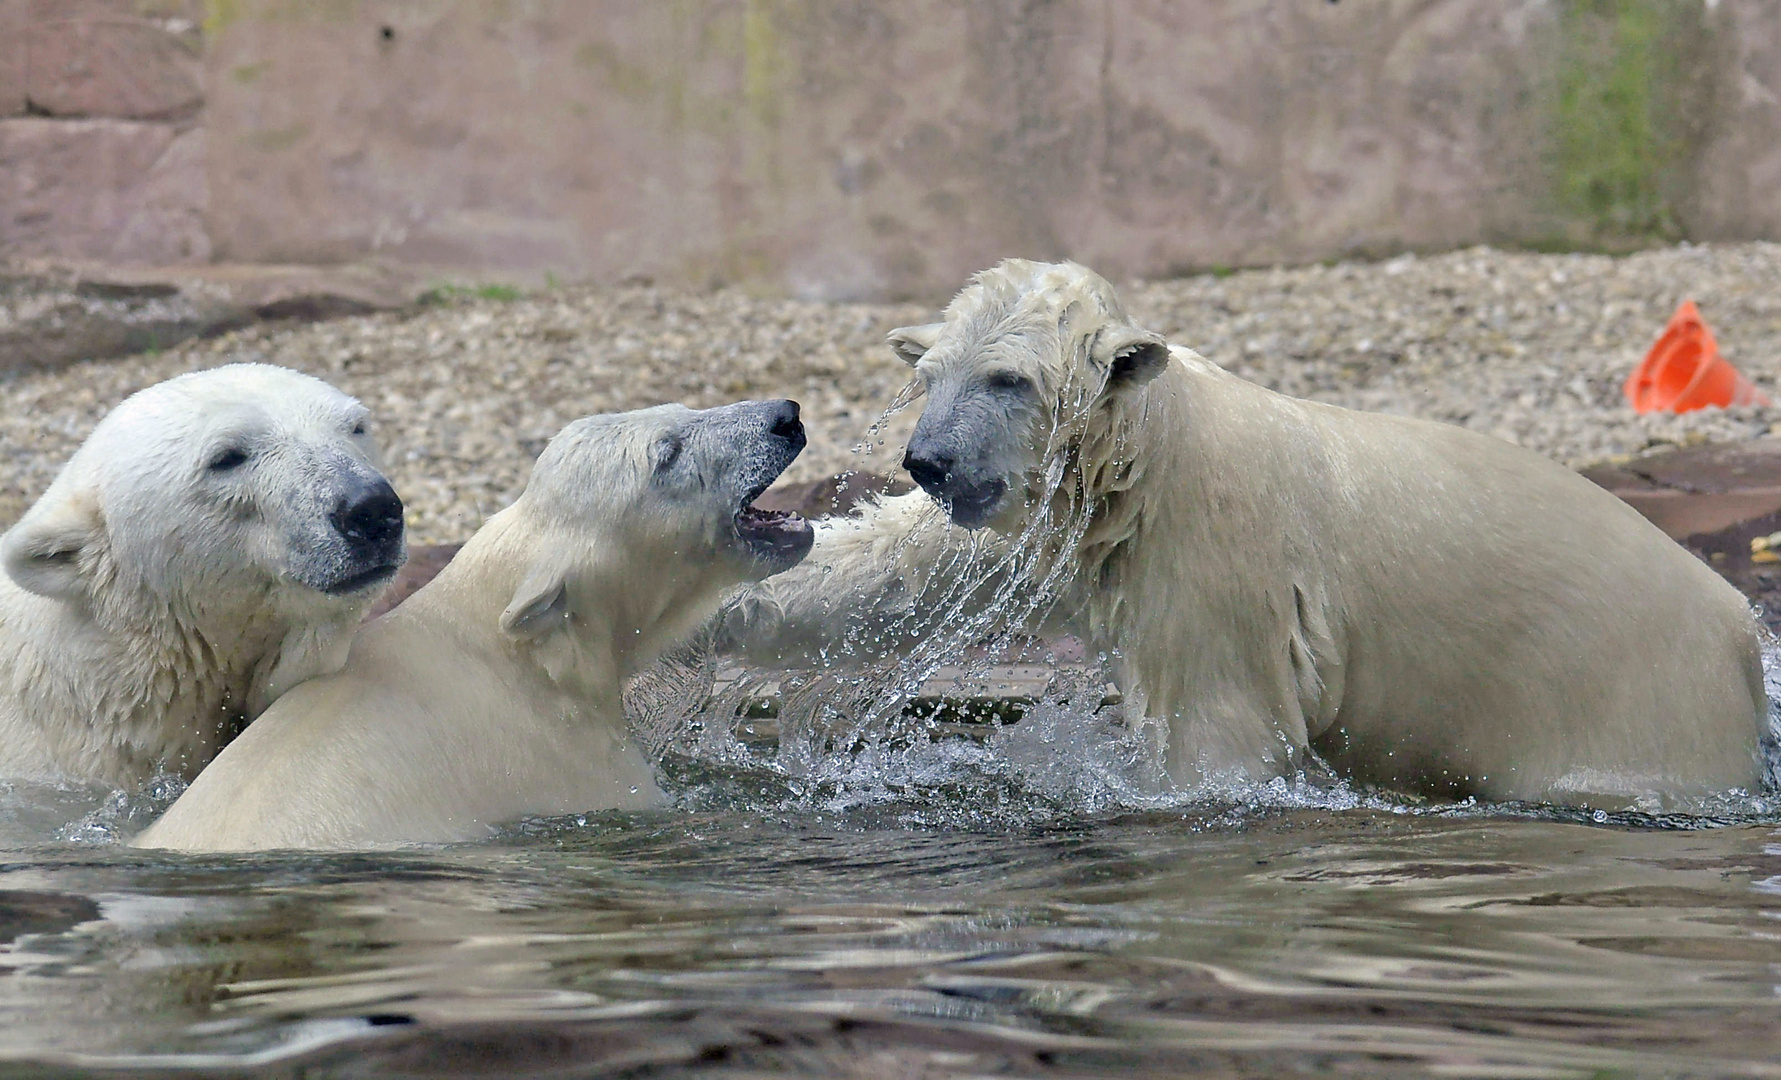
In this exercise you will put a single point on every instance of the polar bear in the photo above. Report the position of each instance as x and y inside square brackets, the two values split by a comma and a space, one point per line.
[493, 693]
[1427, 608]
[215, 541]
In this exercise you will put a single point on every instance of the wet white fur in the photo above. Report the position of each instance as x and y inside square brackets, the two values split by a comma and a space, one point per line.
[159, 615]
[1432, 608]
[493, 693]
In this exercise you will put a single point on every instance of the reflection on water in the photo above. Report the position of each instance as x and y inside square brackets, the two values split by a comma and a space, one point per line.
[1228, 939]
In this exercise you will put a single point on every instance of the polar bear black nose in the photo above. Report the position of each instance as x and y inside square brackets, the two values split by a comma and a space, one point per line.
[785, 422]
[369, 517]
[931, 471]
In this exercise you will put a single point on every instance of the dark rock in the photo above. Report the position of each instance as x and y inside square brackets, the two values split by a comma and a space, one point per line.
[313, 307]
[1700, 489]
[423, 565]
[49, 321]
[1727, 550]
[1713, 468]
[832, 495]
[53, 314]
[24, 912]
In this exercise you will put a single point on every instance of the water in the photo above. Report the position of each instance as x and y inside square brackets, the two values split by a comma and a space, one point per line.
[952, 919]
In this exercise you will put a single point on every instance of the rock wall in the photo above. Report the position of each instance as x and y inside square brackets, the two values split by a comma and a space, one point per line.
[102, 145]
[865, 148]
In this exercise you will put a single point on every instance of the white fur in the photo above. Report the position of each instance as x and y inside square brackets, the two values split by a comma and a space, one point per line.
[148, 607]
[1428, 608]
[493, 693]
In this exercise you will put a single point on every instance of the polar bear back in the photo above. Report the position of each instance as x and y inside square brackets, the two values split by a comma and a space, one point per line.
[1440, 609]
[383, 749]
[1616, 649]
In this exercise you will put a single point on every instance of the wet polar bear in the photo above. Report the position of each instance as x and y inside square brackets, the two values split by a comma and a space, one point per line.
[1425, 607]
[493, 692]
[214, 541]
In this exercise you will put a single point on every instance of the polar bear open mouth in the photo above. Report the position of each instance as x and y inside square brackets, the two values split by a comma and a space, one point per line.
[775, 538]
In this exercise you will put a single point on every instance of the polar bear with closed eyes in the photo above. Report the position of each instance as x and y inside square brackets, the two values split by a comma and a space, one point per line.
[493, 693]
[1425, 607]
[215, 541]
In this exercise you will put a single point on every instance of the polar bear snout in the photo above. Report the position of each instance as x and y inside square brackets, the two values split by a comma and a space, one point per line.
[783, 440]
[369, 519]
[775, 540]
[761, 439]
[970, 501]
[785, 425]
[350, 539]
[932, 471]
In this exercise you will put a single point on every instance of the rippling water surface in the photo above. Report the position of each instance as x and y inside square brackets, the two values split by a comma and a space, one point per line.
[964, 925]
[846, 894]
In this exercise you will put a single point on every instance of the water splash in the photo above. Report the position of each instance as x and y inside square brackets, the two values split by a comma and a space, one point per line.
[844, 733]
[846, 738]
[874, 436]
[123, 814]
[1771, 685]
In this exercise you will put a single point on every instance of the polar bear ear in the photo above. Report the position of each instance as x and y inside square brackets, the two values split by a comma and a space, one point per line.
[42, 553]
[911, 343]
[539, 605]
[1132, 357]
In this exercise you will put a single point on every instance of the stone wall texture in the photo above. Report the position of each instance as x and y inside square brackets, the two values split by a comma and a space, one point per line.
[876, 148]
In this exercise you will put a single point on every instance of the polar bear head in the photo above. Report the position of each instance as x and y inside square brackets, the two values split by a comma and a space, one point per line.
[649, 516]
[237, 504]
[1025, 353]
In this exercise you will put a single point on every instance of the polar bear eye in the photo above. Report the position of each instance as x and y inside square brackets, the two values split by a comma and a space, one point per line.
[230, 458]
[1008, 380]
[359, 428]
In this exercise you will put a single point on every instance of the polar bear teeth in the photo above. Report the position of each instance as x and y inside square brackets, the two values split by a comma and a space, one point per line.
[775, 538]
[754, 518]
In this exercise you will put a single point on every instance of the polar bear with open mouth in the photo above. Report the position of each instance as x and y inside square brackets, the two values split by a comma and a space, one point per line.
[1427, 608]
[493, 693]
[215, 541]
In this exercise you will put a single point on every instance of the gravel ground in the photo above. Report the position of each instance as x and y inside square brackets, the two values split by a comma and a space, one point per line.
[1530, 348]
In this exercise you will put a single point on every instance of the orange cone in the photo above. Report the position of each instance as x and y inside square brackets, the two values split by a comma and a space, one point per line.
[1684, 371]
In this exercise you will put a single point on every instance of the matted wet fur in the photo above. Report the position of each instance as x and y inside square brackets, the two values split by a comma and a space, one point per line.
[215, 541]
[1427, 608]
